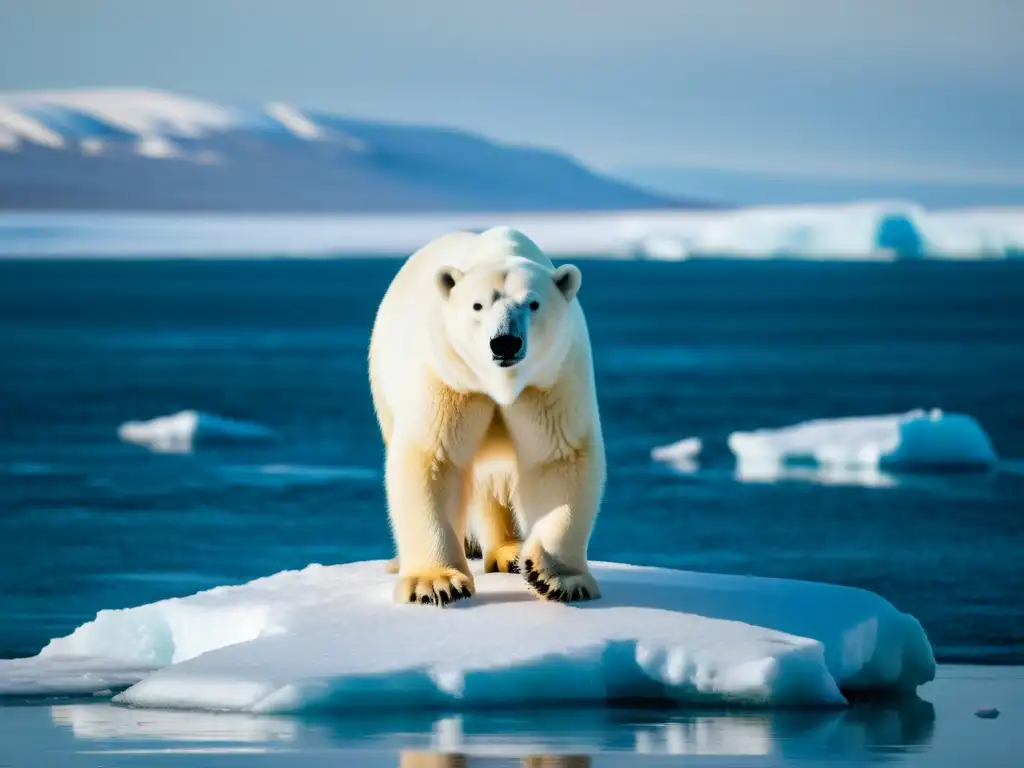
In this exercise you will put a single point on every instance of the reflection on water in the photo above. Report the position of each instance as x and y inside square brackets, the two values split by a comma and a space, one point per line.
[551, 737]
[105, 722]
[705, 736]
[770, 472]
[949, 483]
[776, 472]
[411, 759]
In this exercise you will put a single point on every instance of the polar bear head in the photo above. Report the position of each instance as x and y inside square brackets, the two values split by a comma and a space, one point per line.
[510, 322]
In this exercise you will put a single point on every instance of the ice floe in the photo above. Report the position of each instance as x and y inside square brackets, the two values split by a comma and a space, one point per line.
[331, 636]
[917, 439]
[182, 432]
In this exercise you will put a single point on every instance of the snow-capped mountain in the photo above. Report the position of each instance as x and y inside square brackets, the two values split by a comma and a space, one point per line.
[137, 149]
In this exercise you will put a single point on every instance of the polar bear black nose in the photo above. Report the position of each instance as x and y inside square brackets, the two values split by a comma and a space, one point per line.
[506, 345]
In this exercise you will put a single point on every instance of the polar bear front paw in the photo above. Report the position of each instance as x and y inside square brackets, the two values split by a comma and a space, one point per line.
[503, 559]
[438, 586]
[550, 580]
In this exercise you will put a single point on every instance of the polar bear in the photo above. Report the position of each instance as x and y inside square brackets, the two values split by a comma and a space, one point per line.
[483, 384]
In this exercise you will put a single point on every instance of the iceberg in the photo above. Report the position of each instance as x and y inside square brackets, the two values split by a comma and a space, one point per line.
[881, 232]
[915, 440]
[331, 637]
[182, 432]
[868, 230]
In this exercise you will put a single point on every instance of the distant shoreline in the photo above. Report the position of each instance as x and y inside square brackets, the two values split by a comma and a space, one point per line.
[875, 231]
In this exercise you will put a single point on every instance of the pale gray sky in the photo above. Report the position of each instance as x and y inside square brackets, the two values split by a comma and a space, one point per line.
[923, 90]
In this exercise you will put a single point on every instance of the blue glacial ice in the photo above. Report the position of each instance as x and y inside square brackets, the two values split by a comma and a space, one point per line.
[918, 440]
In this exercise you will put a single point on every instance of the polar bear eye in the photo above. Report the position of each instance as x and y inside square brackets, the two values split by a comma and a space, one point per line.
[534, 306]
[477, 306]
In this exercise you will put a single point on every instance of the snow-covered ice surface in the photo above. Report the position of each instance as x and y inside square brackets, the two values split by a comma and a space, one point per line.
[865, 231]
[184, 431]
[329, 637]
[917, 440]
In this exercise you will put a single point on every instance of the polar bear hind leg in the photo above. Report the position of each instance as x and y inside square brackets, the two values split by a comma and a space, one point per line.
[490, 500]
[498, 542]
[499, 537]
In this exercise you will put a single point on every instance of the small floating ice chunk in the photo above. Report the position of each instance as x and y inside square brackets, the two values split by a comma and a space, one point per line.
[686, 449]
[182, 432]
[333, 637]
[916, 439]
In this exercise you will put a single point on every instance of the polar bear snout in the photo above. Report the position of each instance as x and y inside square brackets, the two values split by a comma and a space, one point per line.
[509, 333]
[507, 349]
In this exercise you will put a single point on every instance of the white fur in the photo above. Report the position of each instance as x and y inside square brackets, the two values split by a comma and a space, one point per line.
[466, 437]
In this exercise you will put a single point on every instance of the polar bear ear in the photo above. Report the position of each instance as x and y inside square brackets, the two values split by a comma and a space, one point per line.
[568, 279]
[446, 279]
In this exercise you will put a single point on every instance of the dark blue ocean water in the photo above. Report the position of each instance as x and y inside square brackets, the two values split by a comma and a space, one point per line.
[688, 349]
